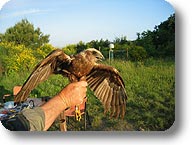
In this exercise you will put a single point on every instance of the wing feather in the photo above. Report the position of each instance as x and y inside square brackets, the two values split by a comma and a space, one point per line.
[107, 100]
[107, 94]
[99, 82]
[109, 88]
[98, 90]
[40, 73]
[117, 90]
[92, 81]
[104, 92]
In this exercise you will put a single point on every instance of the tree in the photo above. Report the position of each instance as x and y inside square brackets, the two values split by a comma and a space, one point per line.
[122, 40]
[81, 46]
[137, 53]
[165, 37]
[24, 33]
[93, 44]
[161, 41]
[70, 49]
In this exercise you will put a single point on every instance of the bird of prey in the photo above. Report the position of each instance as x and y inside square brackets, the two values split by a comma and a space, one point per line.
[105, 81]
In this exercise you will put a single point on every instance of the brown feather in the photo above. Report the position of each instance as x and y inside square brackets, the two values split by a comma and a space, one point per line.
[96, 84]
[106, 94]
[105, 103]
[102, 90]
[117, 111]
[116, 97]
[92, 81]
[108, 103]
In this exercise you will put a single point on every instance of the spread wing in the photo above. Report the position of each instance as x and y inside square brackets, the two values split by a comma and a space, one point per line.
[40, 73]
[109, 88]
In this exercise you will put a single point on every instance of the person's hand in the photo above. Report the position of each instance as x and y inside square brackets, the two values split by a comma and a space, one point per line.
[74, 93]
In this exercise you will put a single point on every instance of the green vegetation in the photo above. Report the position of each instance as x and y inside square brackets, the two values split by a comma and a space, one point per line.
[149, 85]
[24, 33]
[146, 65]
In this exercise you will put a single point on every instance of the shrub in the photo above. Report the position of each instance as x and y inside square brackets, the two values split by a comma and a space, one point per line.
[16, 57]
[137, 53]
[70, 49]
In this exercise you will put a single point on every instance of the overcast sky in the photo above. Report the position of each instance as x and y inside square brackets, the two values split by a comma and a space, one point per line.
[71, 21]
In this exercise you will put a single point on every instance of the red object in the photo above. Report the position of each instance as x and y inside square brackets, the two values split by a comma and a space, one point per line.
[4, 112]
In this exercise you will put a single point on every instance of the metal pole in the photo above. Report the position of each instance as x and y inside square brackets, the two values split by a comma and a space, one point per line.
[109, 57]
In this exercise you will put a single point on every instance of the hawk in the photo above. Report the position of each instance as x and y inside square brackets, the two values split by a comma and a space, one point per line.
[105, 81]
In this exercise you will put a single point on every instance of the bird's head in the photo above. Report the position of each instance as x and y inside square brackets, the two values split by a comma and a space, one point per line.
[94, 52]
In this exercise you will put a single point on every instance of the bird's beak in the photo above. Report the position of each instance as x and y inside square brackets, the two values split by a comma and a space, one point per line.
[100, 57]
[96, 53]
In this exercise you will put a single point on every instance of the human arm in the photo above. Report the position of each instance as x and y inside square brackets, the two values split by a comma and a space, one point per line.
[73, 94]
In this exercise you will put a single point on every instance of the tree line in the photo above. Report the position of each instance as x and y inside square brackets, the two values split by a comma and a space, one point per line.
[25, 45]
[158, 43]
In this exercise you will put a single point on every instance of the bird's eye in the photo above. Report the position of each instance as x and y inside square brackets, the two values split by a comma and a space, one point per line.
[94, 52]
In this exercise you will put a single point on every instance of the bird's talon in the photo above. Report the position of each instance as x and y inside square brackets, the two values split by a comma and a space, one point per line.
[77, 113]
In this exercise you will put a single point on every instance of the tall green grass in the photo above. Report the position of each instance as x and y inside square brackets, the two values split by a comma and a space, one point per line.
[150, 86]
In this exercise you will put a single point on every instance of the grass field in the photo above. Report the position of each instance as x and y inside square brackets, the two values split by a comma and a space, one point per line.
[150, 86]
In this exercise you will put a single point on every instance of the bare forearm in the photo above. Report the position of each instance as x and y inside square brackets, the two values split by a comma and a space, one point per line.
[73, 94]
[52, 109]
